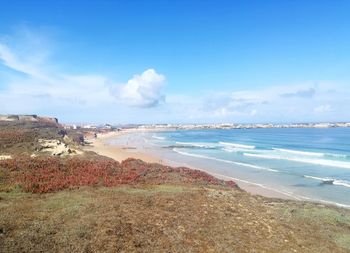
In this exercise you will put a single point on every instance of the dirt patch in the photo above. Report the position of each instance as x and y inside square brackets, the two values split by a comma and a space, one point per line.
[5, 157]
[57, 148]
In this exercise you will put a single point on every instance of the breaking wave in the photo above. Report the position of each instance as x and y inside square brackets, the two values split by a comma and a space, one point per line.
[297, 152]
[158, 137]
[323, 162]
[307, 153]
[223, 160]
[331, 180]
[236, 145]
[196, 144]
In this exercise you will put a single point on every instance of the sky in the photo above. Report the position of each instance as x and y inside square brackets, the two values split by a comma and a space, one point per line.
[161, 61]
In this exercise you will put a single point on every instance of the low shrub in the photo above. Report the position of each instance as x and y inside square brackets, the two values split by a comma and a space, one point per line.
[43, 175]
[12, 137]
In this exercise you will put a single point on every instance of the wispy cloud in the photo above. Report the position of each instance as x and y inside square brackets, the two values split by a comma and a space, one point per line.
[305, 93]
[14, 62]
[33, 85]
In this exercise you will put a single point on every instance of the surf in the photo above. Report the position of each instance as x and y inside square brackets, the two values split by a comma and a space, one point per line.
[297, 152]
[331, 181]
[196, 144]
[224, 161]
[158, 137]
[308, 153]
[236, 145]
[322, 162]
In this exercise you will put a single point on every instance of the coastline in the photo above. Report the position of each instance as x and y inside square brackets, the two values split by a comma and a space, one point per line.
[101, 146]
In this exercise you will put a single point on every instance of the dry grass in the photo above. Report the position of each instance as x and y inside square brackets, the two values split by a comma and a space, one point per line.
[167, 218]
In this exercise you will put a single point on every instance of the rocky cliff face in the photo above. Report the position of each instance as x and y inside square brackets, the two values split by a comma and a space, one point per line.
[28, 118]
[48, 120]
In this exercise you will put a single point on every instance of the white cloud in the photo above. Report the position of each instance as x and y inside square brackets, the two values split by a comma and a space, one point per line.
[142, 90]
[267, 104]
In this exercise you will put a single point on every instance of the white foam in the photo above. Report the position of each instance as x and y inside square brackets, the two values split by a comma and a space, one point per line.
[236, 145]
[196, 144]
[318, 178]
[223, 160]
[335, 181]
[323, 162]
[342, 183]
[235, 150]
[307, 153]
[158, 137]
[297, 152]
[336, 155]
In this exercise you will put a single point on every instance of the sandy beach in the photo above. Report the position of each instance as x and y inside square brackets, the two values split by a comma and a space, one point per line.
[118, 153]
[101, 146]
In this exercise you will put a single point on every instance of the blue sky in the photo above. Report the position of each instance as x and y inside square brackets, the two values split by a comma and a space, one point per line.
[176, 61]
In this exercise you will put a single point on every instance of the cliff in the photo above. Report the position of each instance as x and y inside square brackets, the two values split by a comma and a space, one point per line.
[28, 118]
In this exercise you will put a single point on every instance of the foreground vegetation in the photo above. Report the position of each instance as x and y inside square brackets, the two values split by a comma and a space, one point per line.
[43, 175]
[166, 218]
[90, 203]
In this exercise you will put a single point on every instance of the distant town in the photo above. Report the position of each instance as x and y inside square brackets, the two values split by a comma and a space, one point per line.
[34, 118]
[209, 126]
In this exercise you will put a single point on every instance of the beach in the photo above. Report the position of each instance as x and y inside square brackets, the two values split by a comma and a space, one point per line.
[118, 153]
[102, 146]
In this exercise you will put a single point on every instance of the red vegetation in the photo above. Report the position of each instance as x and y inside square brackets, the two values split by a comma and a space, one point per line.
[8, 137]
[53, 174]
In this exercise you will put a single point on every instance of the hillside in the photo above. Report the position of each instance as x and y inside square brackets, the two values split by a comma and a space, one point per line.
[81, 202]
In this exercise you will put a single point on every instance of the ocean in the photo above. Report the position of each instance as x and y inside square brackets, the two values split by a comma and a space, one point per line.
[302, 163]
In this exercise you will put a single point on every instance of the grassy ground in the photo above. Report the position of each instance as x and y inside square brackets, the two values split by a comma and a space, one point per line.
[167, 218]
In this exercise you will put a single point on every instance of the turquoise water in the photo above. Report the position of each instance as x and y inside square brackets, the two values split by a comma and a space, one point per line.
[308, 164]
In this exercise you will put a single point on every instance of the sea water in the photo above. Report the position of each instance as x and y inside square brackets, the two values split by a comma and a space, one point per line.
[303, 163]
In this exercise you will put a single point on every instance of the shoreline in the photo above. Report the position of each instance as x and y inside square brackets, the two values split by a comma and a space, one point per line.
[100, 146]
